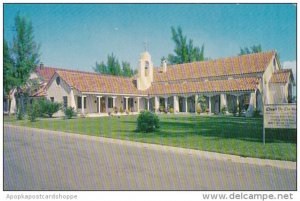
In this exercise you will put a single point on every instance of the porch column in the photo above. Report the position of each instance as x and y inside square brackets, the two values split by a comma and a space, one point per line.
[82, 104]
[156, 103]
[138, 104]
[253, 99]
[186, 105]
[209, 104]
[106, 104]
[126, 103]
[252, 104]
[148, 104]
[13, 105]
[99, 104]
[114, 100]
[196, 102]
[237, 103]
[176, 106]
[223, 101]
[166, 102]
[72, 100]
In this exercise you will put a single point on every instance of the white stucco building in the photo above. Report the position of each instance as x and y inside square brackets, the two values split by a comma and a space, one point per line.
[247, 82]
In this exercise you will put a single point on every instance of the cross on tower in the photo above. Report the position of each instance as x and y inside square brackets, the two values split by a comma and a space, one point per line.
[146, 46]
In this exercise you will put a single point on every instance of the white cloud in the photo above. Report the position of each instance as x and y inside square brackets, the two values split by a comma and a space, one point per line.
[292, 65]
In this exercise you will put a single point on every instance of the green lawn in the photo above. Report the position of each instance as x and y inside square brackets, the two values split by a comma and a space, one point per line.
[224, 134]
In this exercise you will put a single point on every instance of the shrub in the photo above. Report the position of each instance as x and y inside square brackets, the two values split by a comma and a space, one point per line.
[147, 122]
[19, 113]
[33, 111]
[224, 110]
[69, 112]
[203, 103]
[198, 109]
[161, 108]
[171, 110]
[116, 110]
[121, 110]
[48, 107]
[235, 110]
[239, 110]
[256, 113]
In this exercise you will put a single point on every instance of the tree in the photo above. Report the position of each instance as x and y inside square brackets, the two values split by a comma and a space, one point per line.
[113, 67]
[9, 81]
[101, 68]
[25, 56]
[184, 49]
[33, 110]
[252, 49]
[25, 50]
[126, 69]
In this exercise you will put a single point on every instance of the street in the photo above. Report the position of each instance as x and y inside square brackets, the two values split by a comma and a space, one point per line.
[37, 159]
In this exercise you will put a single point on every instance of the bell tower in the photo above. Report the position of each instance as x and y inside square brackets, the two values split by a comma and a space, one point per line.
[145, 71]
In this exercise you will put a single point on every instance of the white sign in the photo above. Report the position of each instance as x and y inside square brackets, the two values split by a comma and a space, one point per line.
[280, 116]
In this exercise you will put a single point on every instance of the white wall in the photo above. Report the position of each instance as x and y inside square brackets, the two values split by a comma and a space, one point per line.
[267, 94]
[91, 104]
[58, 91]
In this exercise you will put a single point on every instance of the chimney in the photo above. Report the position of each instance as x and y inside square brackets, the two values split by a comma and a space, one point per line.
[41, 65]
[164, 65]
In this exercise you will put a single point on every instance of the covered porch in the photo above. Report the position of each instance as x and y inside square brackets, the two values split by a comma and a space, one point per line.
[215, 103]
[103, 105]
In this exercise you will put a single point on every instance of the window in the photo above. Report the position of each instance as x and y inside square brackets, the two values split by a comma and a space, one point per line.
[147, 68]
[110, 102]
[146, 64]
[52, 99]
[79, 102]
[65, 99]
[57, 80]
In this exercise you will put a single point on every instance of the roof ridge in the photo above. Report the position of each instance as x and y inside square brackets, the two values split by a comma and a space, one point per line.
[94, 73]
[283, 70]
[81, 71]
[189, 81]
[223, 58]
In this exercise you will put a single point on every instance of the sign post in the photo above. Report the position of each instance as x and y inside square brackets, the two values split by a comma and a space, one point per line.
[264, 138]
[264, 131]
[279, 116]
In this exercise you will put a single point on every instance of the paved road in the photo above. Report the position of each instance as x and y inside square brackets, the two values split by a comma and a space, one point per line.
[47, 160]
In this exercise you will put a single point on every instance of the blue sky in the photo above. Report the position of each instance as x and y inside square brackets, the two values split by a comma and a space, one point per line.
[75, 36]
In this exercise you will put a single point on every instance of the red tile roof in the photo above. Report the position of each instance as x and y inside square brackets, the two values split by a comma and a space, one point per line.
[251, 63]
[94, 82]
[241, 84]
[281, 76]
[187, 77]
[41, 92]
[46, 72]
